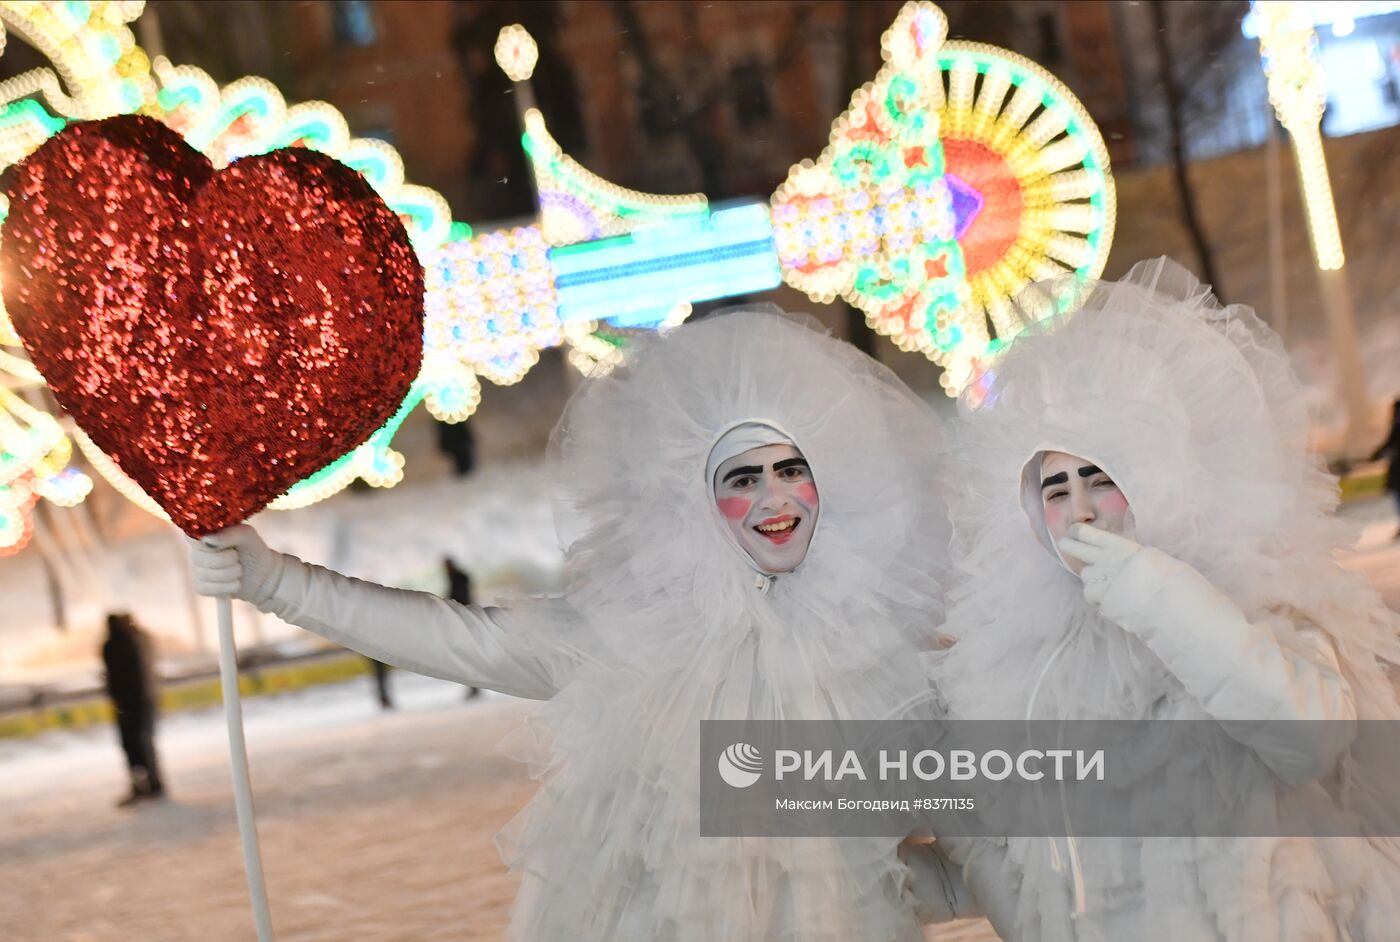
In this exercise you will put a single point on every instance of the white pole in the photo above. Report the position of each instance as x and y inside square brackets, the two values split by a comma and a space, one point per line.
[191, 597]
[242, 785]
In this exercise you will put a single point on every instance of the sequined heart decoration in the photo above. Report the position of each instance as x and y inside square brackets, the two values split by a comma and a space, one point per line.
[220, 335]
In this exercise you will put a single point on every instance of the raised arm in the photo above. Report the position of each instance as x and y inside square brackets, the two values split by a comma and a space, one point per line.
[1237, 668]
[482, 647]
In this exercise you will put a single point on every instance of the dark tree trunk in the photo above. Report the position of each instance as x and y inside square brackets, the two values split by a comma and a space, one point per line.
[1186, 195]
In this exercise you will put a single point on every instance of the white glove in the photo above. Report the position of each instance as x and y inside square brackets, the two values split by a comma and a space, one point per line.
[235, 563]
[1104, 556]
[1144, 591]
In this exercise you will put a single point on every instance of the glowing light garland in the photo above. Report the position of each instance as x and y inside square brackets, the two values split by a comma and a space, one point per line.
[490, 304]
[17, 500]
[1288, 45]
[517, 53]
[872, 219]
[636, 280]
[34, 456]
[577, 205]
[98, 68]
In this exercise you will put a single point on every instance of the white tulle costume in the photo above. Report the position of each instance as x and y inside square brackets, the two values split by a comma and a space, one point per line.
[665, 624]
[1227, 605]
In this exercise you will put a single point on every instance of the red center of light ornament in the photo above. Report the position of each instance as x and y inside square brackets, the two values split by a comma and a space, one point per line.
[220, 335]
[998, 225]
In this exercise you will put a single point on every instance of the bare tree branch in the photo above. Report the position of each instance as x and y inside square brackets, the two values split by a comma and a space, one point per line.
[1177, 139]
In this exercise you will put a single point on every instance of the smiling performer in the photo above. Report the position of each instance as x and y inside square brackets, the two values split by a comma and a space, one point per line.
[1144, 535]
[753, 530]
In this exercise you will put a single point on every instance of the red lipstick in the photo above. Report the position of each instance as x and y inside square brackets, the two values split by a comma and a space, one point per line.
[779, 536]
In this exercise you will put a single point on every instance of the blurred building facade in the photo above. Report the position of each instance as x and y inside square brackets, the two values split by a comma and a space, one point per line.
[670, 96]
[664, 96]
[389, 68]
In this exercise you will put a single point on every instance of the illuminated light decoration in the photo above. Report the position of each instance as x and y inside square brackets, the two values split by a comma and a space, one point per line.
[98, 68]
[67, 488]
[594, 349]
[1288, 45]
[248, 112]
[30, 440]
[1027, 184]
[516, 53]
[21, 369]
[490, 305]
[34, 456]
[374, 461]
[638, 279]
[17, 500]
[24, 125]
[576, 204]
[966, 202]
[1341, 16]
[593, 352]
[114, 475]
[873, 219]
[453, 393]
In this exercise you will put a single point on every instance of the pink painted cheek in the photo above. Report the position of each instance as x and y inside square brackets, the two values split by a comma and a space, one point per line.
[1054, 516]
[807, 493]
[734, 508]
[1115, 504]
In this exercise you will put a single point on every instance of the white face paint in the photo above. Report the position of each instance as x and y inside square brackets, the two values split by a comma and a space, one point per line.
[1075, 490]
[769, 502]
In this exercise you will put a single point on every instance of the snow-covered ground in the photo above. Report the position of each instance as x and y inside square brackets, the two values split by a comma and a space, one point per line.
[374, 826]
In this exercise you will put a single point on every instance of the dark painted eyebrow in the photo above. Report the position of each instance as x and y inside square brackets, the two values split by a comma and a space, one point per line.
[746, 469]
[791, 463]
[1089, 470]
[1061, 478]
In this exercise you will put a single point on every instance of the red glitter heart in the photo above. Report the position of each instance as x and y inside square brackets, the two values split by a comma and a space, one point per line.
[220, 335]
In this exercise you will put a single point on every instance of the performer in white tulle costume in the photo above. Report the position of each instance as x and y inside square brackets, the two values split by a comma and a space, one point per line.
[752, 529]
[1142, 534]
